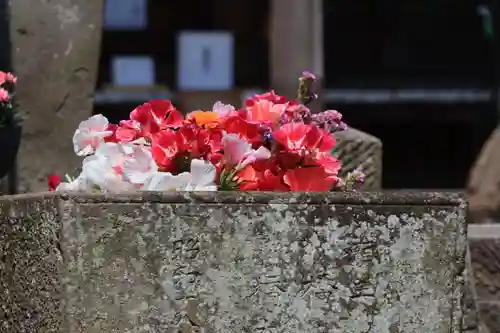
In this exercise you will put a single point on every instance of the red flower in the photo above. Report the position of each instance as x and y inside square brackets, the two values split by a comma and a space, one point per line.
[248, 179]
[293, 137]
[299, 137]
[193, 138]
[53, 182]
[166, 145]
[128, 131]
[288, 160]
[149, 118]
[262, 175]
[313, 179]
[247, 130]
[319, 139]
[330, 164]
[200, 142]
[272, 182]
[112, 138]
[268, 96]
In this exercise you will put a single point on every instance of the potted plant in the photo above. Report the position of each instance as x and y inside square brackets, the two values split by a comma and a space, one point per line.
[10, 129]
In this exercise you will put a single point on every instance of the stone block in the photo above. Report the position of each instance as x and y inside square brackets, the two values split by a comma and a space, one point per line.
[490, 316]
[30, 266]
[484, 245]
[55, 48]
[485, 255]
[359, 149]
[470, 318]
[233, 262]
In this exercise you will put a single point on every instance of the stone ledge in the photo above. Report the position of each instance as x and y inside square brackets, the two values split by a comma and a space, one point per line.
[398, 198]
[484, 231]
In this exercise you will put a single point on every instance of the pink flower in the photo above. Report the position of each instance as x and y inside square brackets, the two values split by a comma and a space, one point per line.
[223, 110]
[4, 95]
[239, 153]
[7, 77]
[90, 134]
[266, 111]
[308, 76]
[10, 78]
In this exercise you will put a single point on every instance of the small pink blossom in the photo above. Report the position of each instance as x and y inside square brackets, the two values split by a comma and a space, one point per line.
[4, 95]
[223, 110]
[10, 78]
[239, 153]
[308, 76]
[7, 77]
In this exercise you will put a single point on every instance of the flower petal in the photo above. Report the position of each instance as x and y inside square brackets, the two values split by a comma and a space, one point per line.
[139, 166]
[165, 181]
[262, 153]
[203, 173]
[96, 123]
[90, 134]
[235, 148]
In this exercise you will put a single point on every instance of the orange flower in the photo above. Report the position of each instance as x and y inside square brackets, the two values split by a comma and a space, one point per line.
[204, 118]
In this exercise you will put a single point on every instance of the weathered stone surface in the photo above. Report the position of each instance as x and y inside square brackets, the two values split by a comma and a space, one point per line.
[485, 254]
[30, 266]
[483, 188]
[255, 262]
[55, 56]
[470, 318]
[490, 316]
[484, 245]
[359, 149]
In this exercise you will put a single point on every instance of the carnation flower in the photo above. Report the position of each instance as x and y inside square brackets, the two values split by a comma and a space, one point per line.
[269, 144]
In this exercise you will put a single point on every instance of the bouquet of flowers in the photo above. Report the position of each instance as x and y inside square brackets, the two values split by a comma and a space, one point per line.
[8, 114]
[270, 144]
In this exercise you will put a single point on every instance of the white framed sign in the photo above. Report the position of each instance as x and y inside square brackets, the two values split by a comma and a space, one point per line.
[126, 14]
[133, 71]
[205, 61]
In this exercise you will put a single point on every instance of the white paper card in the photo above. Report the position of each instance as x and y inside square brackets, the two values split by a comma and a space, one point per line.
[133, 71]
[205, 61]
[126, 14]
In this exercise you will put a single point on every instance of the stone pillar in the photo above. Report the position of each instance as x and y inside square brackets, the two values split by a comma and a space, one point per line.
[296, 42]
[297, 45]
[55, 56]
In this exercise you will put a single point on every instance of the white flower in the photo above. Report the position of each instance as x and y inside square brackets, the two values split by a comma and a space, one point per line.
[222, 110]
[239, 153]
[139, 165]
[90, 134]
[165, 181]
[201, 178]
[105, 169]
[79, 183]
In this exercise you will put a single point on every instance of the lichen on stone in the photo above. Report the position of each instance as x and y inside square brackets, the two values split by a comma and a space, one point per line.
[217, 263]
[275, 267]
